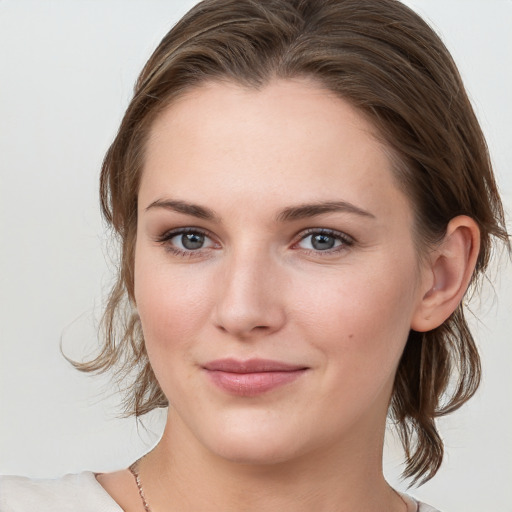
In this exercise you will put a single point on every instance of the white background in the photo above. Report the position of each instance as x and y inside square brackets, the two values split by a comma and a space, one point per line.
[66, 72]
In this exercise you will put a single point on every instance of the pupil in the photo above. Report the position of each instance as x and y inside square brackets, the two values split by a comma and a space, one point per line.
[192, 240]
[323, 242]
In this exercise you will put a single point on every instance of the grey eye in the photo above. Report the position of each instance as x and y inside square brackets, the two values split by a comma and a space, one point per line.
[322, 242]
[192, 241]
[187, 240]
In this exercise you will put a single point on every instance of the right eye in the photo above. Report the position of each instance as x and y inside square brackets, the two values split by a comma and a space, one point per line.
[186, 241]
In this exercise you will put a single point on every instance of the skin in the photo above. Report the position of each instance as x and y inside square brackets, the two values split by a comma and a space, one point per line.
[258, 287]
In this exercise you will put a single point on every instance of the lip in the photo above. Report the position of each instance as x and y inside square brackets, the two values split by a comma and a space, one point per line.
[251, 377]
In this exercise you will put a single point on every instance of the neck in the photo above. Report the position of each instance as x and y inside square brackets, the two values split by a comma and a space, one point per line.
[347, 477]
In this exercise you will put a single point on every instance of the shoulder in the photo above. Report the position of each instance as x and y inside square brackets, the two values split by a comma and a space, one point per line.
[415, 505]
[78, 492]
[423, 507]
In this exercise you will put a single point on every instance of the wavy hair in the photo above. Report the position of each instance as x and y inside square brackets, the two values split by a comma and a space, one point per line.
[389, 64]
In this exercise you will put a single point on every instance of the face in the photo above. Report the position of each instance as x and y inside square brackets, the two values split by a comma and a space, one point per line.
[276, 276]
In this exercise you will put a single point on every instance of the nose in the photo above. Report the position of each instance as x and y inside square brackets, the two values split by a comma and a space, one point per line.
[251, 300]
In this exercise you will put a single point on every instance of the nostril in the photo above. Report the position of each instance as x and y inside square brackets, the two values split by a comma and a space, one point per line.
[247, 306]
[255, 328]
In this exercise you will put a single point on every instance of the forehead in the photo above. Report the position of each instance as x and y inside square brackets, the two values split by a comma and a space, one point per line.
[295, 107]
[290, 140]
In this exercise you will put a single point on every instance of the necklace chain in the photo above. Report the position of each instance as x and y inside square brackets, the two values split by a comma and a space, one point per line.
[134, 470]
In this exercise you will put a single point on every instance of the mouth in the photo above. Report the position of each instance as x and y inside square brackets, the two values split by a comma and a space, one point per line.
[252, 377]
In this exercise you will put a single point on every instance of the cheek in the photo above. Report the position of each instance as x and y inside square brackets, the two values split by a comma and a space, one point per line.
[172, 309]
[361, 320]
[171, 305]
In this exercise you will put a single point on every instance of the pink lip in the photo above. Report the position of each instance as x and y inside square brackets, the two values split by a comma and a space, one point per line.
[251, 377]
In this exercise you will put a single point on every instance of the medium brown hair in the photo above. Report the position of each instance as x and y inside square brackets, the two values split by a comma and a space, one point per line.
[387, 62]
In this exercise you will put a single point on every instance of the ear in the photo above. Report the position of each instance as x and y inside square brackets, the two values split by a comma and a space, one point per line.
[447, 274]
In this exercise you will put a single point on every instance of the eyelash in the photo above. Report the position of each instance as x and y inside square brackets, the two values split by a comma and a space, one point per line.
[346, 241]
[169, 235]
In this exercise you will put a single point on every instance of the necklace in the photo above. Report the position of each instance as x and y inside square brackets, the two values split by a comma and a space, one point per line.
[134, 471]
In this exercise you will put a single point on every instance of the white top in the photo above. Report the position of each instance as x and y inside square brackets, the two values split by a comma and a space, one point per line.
[81, 493]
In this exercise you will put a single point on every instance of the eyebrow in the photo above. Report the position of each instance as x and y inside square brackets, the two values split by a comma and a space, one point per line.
[290, 213]
[193, 210]
[311, 210]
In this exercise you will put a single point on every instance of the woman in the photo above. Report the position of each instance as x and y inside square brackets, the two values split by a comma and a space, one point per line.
[303, 197]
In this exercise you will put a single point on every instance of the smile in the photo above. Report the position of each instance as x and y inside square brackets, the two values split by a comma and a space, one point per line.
[252, 377]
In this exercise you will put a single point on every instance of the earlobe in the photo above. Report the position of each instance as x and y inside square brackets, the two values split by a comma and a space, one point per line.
[449, 272]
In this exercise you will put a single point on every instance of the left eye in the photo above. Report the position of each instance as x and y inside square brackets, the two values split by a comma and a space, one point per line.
[323, 241]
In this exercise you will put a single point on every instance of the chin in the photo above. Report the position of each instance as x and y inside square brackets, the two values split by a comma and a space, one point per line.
[254, 446]
[255, 453]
